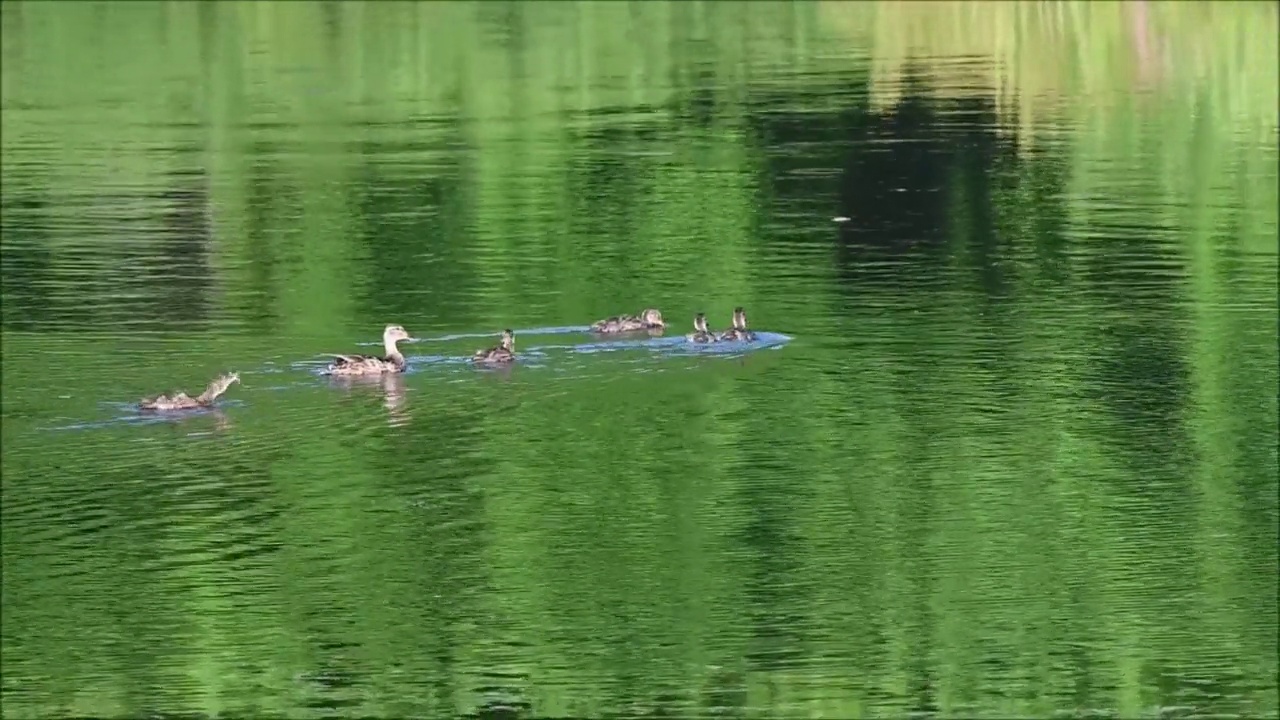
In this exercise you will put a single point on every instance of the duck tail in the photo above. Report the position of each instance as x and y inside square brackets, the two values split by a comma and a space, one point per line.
[216, 387]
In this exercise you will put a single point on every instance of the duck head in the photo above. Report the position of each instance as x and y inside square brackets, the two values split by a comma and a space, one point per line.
[651, 316]
[509, 340]
[700, 322]
[739, 319]
[394, 334]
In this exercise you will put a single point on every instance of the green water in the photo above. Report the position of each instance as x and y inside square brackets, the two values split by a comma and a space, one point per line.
[1009, 451]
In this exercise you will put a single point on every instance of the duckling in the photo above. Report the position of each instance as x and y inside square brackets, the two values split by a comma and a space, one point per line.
[700, 332]
[649, 319]
[348, 365]
[739, 330]
[505, 352]
[182, 401]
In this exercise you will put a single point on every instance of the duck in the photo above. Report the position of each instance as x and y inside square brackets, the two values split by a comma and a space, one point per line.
[700, 332]
[504, 352]
[392, 362]
[739, 330]
[649, 319]
[182, 401]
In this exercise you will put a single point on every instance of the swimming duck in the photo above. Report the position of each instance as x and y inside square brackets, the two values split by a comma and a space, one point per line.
[182, 401]
[739, 330]
[700, 332]
[649, 319]
[371, 364]
[505, 351]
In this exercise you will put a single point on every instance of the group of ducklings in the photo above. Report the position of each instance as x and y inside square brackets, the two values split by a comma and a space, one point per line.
[504, 352]
[651, 319]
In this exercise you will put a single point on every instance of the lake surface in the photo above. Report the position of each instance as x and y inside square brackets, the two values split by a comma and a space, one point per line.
[1007, 446]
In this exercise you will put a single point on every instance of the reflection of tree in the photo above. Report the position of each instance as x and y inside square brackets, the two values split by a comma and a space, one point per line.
[26, 281]
[177, 266]
[724, 692]
[947, 500]
[902, 174]
[417, 229]
[147, 261]
[257, 289]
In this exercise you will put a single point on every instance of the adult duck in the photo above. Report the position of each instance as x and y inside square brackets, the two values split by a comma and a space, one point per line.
[392, 362]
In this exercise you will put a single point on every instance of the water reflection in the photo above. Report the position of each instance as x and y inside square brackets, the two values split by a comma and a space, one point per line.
[1004, 445]
[391, 386]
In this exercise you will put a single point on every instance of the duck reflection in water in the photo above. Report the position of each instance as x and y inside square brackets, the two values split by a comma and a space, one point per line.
[196, 423]
[221, 421]
[393, 399]
[393, 392]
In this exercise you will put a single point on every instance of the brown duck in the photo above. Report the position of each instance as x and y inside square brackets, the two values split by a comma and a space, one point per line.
[649, 319]
[700, 332]
[182, 401]
[504, 352]
[392, 362]
[739, 330]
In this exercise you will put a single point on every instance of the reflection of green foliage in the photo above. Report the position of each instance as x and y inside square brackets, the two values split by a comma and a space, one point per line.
[939, 488]
[1057, 60]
